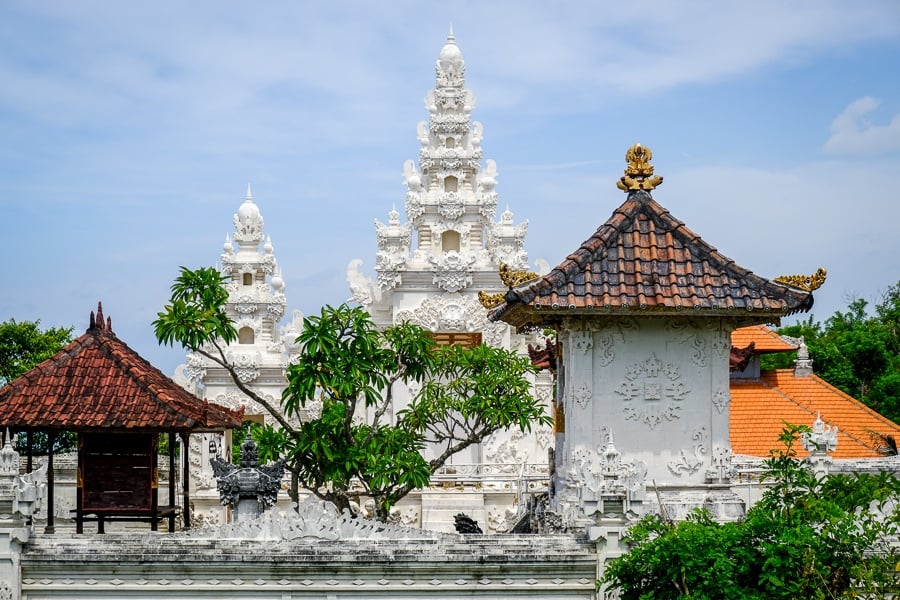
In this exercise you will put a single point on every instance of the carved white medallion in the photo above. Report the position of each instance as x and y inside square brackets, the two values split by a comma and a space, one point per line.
[653, 392]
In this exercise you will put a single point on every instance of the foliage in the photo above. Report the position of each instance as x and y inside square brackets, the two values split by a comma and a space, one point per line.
[23, 346]
[356, 446]
[855, 351]
[808, 537]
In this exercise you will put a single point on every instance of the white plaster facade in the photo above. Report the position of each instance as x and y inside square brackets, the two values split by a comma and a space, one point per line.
[256, 304]
[659, 389]
[429, 269]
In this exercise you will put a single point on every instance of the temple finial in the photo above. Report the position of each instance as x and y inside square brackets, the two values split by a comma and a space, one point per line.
[639, 172]
[451, 39]
[249, 195]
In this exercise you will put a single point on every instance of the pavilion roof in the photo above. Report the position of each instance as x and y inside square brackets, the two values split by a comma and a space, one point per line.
[642, 259]
[98, 383]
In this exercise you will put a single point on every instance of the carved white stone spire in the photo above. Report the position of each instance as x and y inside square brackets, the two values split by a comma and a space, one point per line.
[248, 223]
[450, 201]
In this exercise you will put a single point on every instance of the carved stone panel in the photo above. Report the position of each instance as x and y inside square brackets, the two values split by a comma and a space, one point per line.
[653, 392]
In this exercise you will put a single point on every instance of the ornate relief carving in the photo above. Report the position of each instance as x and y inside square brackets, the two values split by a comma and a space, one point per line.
[388, 267]
[313, 520]
[405, 515]
[689, 334]
[501, 519]
[652, 391]
[451, 206]
[722, 469]
[246, 365]
[544, 436]
[691, 459]
[583, 395]
[452, 270]
[447, 312]
[195, 367]
[603, 472]
[508, 452]
[721, 399]
[582, 341]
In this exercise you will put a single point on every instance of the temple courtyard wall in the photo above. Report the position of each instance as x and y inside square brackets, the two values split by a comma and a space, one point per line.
[446, 566]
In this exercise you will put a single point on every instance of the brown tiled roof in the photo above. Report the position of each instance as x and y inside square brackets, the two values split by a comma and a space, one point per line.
[98, 382]
[763, 339]
[643, 258]
[760, 407]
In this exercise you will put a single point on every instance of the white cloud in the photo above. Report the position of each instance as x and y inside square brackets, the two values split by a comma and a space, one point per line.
[853, 133]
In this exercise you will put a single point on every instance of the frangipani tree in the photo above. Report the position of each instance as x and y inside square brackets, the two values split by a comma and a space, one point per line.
[356, 446]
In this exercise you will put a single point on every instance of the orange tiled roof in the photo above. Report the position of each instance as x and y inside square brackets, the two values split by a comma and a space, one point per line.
[643, 258]
[763, 338]
[98, 382]
[759, 408]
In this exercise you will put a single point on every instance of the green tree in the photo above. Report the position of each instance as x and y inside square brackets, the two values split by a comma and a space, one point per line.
[356, 447]
[22, 346]
[808, 537]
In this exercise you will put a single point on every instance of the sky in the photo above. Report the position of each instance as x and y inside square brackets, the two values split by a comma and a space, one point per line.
[129, 132]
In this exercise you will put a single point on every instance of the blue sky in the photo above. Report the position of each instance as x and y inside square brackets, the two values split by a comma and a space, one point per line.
[130, 131]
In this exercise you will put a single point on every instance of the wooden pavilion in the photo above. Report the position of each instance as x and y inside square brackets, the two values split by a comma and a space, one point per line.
[118, 404]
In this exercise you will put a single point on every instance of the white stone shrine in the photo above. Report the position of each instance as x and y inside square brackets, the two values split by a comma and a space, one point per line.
[430, 269]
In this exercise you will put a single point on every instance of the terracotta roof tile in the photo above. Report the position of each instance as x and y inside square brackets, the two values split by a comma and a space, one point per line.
[760, 407]
[642, 258]
[763, 338]
[98, 382]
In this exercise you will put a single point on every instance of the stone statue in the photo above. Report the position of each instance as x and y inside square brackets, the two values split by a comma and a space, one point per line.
[251, 488]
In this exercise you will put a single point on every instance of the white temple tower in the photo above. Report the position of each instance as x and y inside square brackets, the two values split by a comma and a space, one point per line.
[429, 272]
[256, 304]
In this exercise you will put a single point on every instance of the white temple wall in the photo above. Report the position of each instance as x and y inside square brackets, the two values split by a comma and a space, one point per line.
[659, 387]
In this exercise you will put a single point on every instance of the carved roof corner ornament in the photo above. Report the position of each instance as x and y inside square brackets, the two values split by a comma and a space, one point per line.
[490, 300]
[511, 278]
[808, 283]
[639, 172]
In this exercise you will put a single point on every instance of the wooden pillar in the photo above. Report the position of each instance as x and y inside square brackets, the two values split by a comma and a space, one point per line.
[154, 481]
[51, 440]
[171, 481]
[186, 480]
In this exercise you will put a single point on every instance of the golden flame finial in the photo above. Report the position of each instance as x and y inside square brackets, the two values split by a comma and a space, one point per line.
[639, 172]
[807, 283]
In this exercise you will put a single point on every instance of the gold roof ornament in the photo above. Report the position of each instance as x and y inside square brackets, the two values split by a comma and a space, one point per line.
[639, 172]
[804, 282]
[490, 300]
[513, 279]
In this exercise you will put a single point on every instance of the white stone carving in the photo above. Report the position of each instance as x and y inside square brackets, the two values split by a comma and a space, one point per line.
[583, 341]
[652, 391]
[246, 365]
[722, 469]
[690, 460]
[453, 270]
[501, 519]
[583, 395]
[508, 451]
[312, 520]
[603, 473]
[721, 399]
[690, 334]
